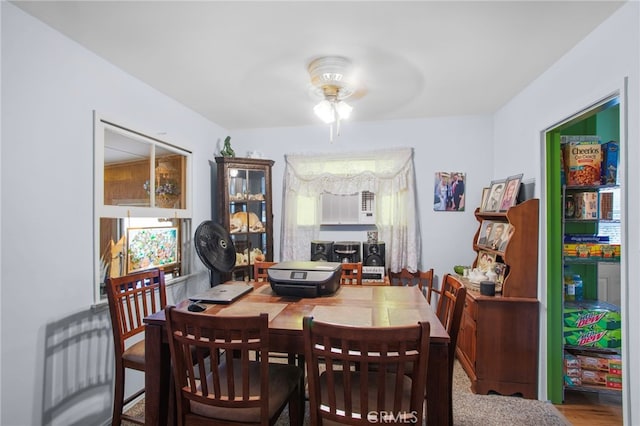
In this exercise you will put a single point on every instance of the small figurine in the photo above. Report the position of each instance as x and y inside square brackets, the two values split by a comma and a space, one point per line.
[227, 151]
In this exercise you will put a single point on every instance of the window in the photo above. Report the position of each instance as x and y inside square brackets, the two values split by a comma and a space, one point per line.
[142, 204]
[388, 174]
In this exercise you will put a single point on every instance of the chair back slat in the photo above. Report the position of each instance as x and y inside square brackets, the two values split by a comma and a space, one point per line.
[260, 271]
[351, 273]
[364, 372]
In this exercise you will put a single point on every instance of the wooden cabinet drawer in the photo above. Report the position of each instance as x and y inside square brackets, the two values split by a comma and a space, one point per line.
[471, 308]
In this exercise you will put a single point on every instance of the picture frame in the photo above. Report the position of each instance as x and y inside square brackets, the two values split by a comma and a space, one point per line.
[495, 195]
[510, 193]
[486, 261]
[498, 232]
[485, 197]
[485, 232]
[151, 248]
[449, 191]
[501, 271]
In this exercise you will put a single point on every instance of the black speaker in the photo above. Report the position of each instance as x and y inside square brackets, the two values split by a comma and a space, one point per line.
[322, 251]
[346, 251]
[373, 254]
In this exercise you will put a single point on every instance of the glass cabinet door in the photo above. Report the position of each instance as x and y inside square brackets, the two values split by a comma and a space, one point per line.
[244, 188]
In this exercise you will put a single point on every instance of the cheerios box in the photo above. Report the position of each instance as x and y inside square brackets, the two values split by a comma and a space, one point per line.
[582, 157]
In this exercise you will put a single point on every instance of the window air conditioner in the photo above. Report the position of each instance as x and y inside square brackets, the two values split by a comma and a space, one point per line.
[348, 209]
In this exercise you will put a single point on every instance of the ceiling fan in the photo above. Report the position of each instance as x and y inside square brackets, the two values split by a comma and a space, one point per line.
[333, 81]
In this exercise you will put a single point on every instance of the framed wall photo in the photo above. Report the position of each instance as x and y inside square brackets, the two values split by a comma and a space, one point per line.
[512, 186]
[495, 195]
[449, 191]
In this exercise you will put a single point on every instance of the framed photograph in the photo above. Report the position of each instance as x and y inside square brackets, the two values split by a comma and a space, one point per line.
[512, 186]
[498, 231]
[486, 261]
[485, 233]
[151, 247]
[485, 197]
[506, 236]
[448, 193]
[495, 195]
[501, 270]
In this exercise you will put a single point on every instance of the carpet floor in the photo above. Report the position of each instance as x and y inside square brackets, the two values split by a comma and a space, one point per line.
[468, 409]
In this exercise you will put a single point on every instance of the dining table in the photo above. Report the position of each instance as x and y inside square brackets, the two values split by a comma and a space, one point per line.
[355, 305]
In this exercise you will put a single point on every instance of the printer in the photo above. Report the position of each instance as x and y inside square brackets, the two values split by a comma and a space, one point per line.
[305, 278]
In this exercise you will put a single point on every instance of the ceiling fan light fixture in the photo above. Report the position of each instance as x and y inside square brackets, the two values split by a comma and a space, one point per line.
[331, 79]
[324, 111]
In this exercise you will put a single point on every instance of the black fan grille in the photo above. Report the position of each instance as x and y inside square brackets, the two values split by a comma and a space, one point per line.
[215, 247]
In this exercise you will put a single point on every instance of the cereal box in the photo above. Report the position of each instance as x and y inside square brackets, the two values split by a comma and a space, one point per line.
[586, 205]
[614, 381]
[572, 381]
[608, 363]
[582, 160]
[599, 378]
[609, 168]
[605, 251]
[570, 360]
[606, 205]
[577, 250]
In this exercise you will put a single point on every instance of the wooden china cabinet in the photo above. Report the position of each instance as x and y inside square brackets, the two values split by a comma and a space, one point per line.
[499, 335]
[243, 205]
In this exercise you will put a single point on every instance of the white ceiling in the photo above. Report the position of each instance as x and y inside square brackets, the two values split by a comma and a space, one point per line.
[243, 64]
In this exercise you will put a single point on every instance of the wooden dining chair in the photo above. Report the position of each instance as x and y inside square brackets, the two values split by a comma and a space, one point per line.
[402, 278]
[260, 271]
[425, 282]
[131, 298]
[423, 279]
[229, 387]
[356, 375]
[351, 274]
[449, 311]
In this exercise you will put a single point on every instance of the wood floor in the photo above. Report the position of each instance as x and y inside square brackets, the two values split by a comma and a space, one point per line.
[583, 408]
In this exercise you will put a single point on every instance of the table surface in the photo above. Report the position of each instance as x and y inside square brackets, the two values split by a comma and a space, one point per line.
[358, 305]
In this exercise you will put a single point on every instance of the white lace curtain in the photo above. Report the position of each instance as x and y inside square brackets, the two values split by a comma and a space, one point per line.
[389, 174]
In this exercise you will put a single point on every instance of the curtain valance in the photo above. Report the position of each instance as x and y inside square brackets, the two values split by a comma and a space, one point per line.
[347, 173]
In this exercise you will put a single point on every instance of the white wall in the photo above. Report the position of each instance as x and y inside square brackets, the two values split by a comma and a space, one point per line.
[594, 69]
[50, 86]
[440, 144]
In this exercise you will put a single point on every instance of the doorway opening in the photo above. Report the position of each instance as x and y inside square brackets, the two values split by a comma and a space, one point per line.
[575, 242]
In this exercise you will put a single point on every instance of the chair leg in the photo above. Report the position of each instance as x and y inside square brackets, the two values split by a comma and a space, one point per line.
[118, 396]
[296, 407]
